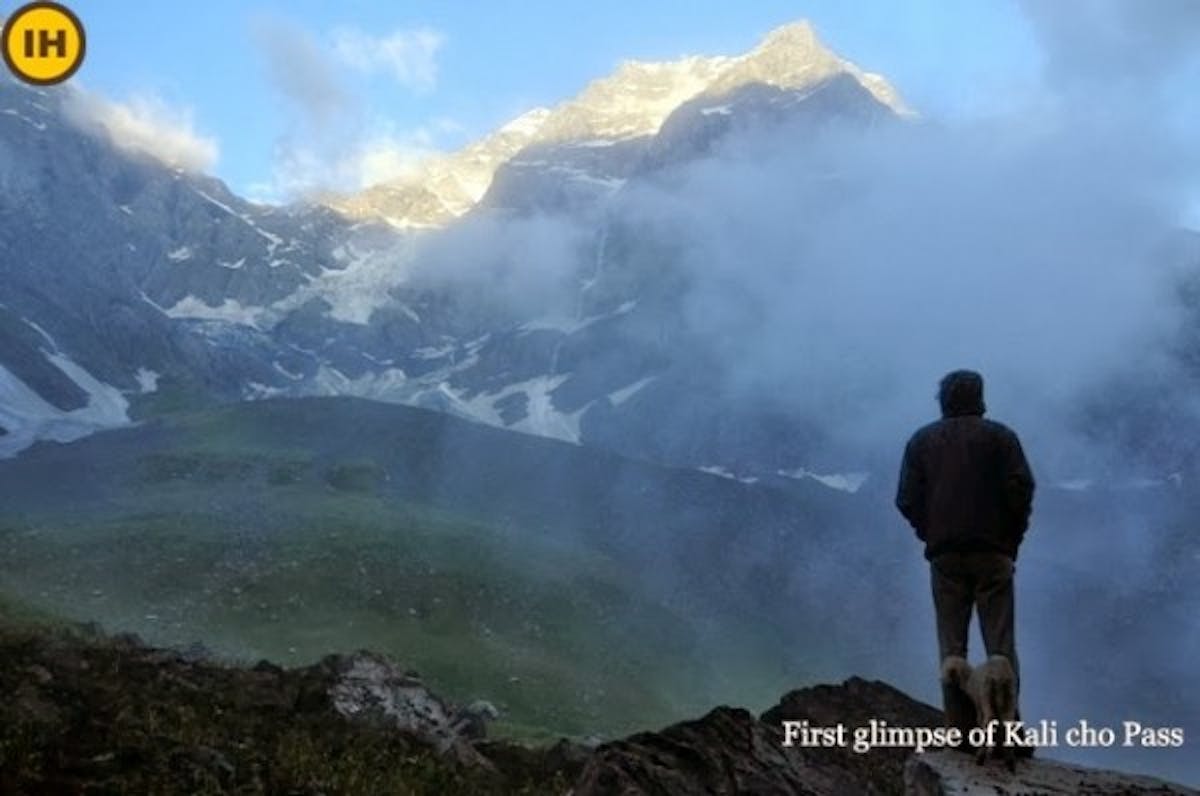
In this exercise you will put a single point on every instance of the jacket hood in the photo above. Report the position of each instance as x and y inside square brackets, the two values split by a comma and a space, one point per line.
[961, 393]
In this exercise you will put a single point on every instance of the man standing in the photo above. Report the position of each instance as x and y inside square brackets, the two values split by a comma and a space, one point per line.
[966, 489]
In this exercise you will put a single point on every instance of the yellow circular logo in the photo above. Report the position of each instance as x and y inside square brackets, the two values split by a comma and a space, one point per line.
[43, 43]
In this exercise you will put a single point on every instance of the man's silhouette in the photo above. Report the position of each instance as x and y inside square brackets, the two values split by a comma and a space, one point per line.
[966, 489]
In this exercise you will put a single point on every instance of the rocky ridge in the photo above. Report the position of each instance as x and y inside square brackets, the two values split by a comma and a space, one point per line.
[630, 105]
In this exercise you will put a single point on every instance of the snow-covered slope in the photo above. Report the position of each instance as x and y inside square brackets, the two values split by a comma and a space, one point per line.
[171, 274]
[27, 416]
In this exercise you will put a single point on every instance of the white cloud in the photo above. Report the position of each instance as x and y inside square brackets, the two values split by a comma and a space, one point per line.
[304, 73]
[146, 124]
[410, 56]
[302, 170]
[387, 157]
[333, 144]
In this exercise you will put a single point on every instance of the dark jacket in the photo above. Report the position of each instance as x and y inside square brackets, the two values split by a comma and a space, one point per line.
[965, 484]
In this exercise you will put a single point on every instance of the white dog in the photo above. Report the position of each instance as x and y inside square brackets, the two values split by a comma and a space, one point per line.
[992, 686]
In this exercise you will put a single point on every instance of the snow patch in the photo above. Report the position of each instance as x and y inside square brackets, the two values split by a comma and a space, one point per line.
[287, 374]
[152, 302]
[272, 239]
[542, 419]
[528, 123]
[216, 202]
[229, 311]
[29, 417]
[555, 324]
[147, 380]
[387, 385]
[355, 291]
[31, 122]
[571, 326]
[845, 482]
[106, 405]
[432, 352]
[716, 469]
[622, 395]
[1083, 484]
[257, 391]
[45, 335]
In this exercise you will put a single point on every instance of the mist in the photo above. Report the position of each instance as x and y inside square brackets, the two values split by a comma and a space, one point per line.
[836, 272]
[501, 267]
[841, 278]
[842, 271]
[849, 276]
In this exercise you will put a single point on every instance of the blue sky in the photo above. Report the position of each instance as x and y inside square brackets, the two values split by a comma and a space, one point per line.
[208, 64]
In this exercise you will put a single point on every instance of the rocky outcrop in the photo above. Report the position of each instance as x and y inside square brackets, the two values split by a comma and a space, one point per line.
[729, 751]
[367, 687]
[952, 774]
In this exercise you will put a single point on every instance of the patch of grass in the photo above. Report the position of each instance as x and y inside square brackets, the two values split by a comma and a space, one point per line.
[19, 616]
[365, 477]
[284, 473]
[208, 468]
[169, 397]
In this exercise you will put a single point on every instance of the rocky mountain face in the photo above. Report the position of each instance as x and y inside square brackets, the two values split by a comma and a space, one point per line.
[122, 277]
[591, 143]
[445, 186]
[130, 287]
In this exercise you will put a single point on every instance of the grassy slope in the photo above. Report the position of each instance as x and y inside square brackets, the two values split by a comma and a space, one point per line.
[541, 640]
[291, 530]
